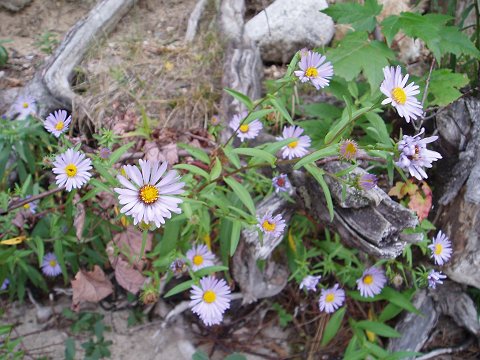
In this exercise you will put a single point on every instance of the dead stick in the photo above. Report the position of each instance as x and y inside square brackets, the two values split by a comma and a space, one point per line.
[30, 199]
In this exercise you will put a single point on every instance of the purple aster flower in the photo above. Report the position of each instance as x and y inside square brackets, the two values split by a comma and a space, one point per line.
[331, 299]
[200, 257]
[441, 248]
[5, 284]
[296, 148]
[281, 183]
[435, 278]
[215, 120]
[245, 131]
[50, 266]
[272, 226]
[372, 282]
[31, 206]
[24, 106]
[57, 123]
[400, 96]
[104, 153]
[415, 156]
[210, 300]
[314, 68]
[348, 149]
[367, 181]
[310, 282]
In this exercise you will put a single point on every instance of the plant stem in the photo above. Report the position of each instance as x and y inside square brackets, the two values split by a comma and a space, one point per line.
[30, 199]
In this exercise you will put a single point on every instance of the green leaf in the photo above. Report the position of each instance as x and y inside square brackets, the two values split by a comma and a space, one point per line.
[443, 88]
[193, 169]
[195, 152]
[277, 104]
[333, 326]
[179, 288]
[70, 349]
[318, 175]
[399, 299]
[337, 130]
[58, 249]
[361, 17]
[200, 355]
[216, 169]
[242, 194]
[378, 328]
[240, 97]
[378, 128]
[389, 312]
[316, 155]
[272, 148]
[113, 158]
[431, 28]
[257, 115]
[235, 356]
[356, 53]
[234, 159]
[235, 236]
[256, 153]
[210, 270]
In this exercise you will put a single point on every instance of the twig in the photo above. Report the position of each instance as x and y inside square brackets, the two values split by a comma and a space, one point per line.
[433, 354]
[30, 199]
[424, 97]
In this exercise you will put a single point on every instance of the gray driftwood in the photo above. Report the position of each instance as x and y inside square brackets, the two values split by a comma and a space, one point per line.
[458, 178]
[448, 299]
[366, 220]
[194, 19]
[51, 85]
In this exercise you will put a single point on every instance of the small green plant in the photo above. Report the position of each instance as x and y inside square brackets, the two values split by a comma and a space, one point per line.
[3, 53]
[47, 42]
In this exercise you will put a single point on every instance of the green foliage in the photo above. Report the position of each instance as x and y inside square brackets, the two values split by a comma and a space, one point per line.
[284, 318]
[356, 54]
[361, 17]
[3, 53]
[47, 42]
[444, 87]
[440, 38]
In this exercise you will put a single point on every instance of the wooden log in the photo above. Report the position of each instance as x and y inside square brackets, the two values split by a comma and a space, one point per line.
[51, 84]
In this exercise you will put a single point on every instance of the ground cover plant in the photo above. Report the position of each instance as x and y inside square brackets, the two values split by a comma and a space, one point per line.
[83, 211]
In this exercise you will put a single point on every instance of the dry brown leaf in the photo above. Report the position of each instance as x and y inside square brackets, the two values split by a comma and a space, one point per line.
[19, 220]
[128, 277]
[79, 220]
[91, 286]
[151, 150]
[129, 245]
[170, 153]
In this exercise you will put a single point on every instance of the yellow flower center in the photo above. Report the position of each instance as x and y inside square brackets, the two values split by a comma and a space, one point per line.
[268, 226]
[209, 296]
[350, 150]
[438, 249]
[244, 128]
[26, 206]
[52, 263]
[197, 260]
[71, 170]
[311, 72]
[367, 279]
[148, 194]
[399, 95]
[293, 144]
[329, 298]
[25, 105]
[59, 126]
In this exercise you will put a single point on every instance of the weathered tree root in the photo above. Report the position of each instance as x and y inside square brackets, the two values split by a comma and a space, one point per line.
[50, 86]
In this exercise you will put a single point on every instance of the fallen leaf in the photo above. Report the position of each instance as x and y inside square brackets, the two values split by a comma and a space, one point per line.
[421, 201]
[151, 150]
[129, 245]
[14, 241]
[19, 219]
[403, 188]
[128, 277]
[91, 286]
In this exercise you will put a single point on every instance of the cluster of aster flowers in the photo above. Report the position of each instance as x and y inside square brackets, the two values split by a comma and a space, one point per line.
[441, 248]
[370, 284]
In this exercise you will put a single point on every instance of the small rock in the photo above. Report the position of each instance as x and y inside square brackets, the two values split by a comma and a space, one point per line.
[287, 26]
[14, 5]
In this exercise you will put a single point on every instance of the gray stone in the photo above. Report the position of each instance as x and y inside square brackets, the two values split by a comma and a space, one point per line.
[287, 26]
[14, 5]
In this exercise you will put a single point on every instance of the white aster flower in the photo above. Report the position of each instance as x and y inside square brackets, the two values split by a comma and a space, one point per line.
[272, 226]
[57, 123]
[434, 278]
[296, 148]
[71, 169]
[24, 106]
[415, 156]
[314, 68]
[372, 282]
[331, 299]
[310, 282]
[441, 248]
[147, 198]
[210, 300]
[200, 257]
[245, 131]
[400, 96]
